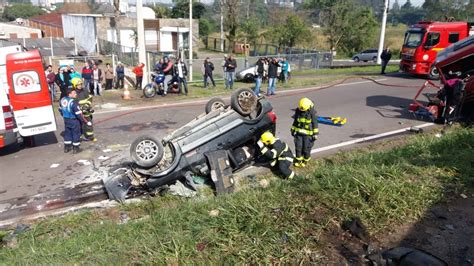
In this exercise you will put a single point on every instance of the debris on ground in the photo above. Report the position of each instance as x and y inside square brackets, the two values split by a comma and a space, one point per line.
[54, 165]
[179, 189]
[264, 183]
[103, 157]
[415, 130]
[214, 213]
[84, 162]
[124, 218]
[356, 228]
[11, 240]
[405, 256]
[463, 196]
[107, 150]
[199, 180]
[108, 106]
[438, 135]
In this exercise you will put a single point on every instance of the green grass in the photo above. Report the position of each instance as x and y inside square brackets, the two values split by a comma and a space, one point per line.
[284, 223]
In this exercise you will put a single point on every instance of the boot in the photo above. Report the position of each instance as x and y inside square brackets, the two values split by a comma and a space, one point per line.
[76, 149]
[67, 148]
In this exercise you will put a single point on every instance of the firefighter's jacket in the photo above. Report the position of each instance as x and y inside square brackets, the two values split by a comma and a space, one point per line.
[84, 99]
[305, 123]
[278, 151]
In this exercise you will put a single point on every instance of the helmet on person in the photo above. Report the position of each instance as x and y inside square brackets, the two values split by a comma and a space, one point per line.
[268, 138]
[76, 81]
[165, 59]
[305, 104]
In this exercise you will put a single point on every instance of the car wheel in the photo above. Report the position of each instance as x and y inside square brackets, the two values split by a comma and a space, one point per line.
[214, 104]
[146, 151]
[149, 91]
[374, 59]
[249, 77]
[434, 74]
[243, 101]
[356, 59]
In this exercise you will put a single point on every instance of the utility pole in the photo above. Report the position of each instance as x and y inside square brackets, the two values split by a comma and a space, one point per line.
[141, 40]
[382, 31]
[190, 69]
[221, 4]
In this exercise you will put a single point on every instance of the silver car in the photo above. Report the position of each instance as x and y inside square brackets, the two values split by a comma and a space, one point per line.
[367, 55]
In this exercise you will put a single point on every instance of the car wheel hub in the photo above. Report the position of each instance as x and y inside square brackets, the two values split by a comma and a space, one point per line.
[217, 105]
[246, 100]
[147, 150]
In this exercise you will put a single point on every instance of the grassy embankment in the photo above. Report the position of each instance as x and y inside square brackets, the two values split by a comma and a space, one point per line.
[285, 222]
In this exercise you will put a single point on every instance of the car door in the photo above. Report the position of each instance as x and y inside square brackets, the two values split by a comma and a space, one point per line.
[29, 94]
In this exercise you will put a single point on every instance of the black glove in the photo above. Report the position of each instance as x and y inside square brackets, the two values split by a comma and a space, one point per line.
[314, 137]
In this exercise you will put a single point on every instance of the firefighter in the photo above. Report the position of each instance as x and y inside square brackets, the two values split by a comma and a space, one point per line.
[304, 130]
[278, 152]
[84, 100]
[73, 117]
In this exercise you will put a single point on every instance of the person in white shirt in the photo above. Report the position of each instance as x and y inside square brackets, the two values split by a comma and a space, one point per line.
[181, 71]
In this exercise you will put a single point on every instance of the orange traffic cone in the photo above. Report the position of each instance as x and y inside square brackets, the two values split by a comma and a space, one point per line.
[126, 93]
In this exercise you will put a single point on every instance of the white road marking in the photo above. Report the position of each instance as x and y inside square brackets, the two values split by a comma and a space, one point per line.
[125, 109]
[355, 141]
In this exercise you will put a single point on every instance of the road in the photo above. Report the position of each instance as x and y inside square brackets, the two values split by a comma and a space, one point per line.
[370, 109]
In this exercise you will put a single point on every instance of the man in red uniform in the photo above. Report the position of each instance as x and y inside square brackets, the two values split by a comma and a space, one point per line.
[138, 70]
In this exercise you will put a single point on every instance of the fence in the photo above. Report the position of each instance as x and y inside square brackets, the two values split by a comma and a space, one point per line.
[126, 55]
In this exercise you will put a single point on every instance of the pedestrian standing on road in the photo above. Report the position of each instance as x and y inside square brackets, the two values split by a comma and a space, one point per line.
[181, 71]
[265, 70]
[278, 152]
[97, 80]
[385, 56]
[224, 69]
[50, 79]
[258, 73]
[73, 117]
[87, 76]
[304, 131]
[109, 76]
[272, 76]
[62, 80]
[138, 70]
[167, 68]
[84, 100]
[230, 66]
[120, 74]
[208, 68]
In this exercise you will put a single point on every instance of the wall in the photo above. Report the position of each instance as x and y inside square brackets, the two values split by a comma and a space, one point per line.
[10, 31]
[82, 29]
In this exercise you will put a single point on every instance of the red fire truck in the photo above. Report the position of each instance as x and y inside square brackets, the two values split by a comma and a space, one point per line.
[424, 40]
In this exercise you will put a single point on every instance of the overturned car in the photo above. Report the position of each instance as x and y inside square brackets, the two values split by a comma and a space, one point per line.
[454, 100]
[216, 143]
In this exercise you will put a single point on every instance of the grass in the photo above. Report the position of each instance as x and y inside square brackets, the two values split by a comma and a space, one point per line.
[303, 78]
[284, 223]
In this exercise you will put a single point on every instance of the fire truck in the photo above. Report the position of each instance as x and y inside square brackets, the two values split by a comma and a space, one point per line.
[25, 103]
[425, 39]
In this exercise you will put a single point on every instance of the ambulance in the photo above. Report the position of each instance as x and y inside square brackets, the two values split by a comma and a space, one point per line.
[26, 106]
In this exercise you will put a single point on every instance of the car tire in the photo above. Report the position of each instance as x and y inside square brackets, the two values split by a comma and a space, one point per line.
[249, 78]
[214, 104]
[146, 151]
[149, 91]
[243, 101]
[374, 59]
[434, 74]
[356, 59]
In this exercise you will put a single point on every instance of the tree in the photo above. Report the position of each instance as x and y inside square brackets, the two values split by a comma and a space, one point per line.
[204, 27]
[232, 22]
[250, 29]
[293, 31]
[15, 11]
[160, 11]
[181, 9]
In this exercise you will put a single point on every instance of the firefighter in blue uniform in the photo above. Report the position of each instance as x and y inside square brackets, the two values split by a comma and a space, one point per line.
[304, 130]
[84, 100]
[72, 115]
[278, 152]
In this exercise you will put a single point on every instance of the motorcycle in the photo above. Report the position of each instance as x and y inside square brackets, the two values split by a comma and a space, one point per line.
[156, 85]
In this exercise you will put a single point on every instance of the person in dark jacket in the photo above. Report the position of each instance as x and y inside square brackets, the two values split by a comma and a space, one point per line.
[230, 66]
[73, 118]
[50, 79]
[62, 80]
[272, 76]
[208, 68]
[304, 131]
[84, 100]
[120, 74]
[181, 71]
[385, 56]
[278, 152]
[87, 76]
[258, 72]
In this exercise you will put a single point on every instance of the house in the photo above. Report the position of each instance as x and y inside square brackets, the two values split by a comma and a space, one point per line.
[50, 24]
[14, 31]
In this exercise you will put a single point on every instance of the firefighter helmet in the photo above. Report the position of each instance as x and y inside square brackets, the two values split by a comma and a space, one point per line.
[305, 104]
[75, 82]
[267, 138]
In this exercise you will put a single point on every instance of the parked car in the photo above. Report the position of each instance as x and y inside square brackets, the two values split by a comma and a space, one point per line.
[246, 75]
[367, 55]
[224, 135]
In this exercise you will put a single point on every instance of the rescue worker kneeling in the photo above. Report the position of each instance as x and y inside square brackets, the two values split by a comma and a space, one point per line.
[84, 100]
[73, 116]
[304, 130]
[278, 152]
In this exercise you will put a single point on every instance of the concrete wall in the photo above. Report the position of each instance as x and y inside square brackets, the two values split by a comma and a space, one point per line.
[10, 31]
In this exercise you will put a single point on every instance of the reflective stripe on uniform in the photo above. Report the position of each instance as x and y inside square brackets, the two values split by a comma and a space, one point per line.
[89, 133]
[285, 158]
[300, 158]
[76, 144]
[273, 163]
[291, 175]
[264, 150]
[316, 131]
[67, 142]
[274, 152]
[307, 159]
[304, 120]
[78, 112]
[304, 131]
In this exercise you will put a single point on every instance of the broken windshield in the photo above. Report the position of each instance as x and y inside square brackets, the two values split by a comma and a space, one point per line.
[413, 39]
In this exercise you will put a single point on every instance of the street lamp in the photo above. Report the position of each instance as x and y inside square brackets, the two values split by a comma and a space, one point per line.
[141, 40]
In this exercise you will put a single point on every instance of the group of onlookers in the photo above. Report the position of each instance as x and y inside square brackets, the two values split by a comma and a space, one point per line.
[271, 69]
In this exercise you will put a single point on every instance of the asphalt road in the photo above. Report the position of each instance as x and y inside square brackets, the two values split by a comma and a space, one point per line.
[370, 109]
